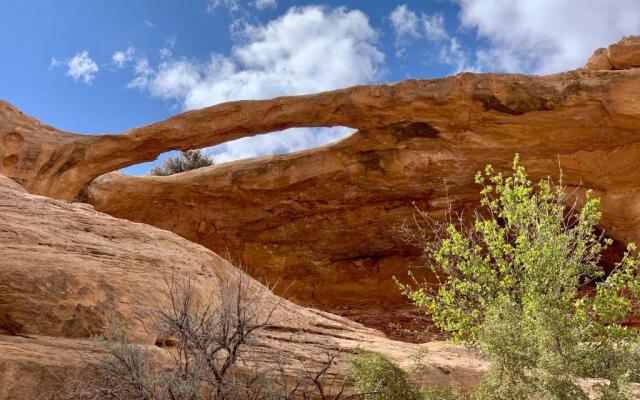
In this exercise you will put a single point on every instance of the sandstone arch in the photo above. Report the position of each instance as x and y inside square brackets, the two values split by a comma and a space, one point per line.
[321, 218]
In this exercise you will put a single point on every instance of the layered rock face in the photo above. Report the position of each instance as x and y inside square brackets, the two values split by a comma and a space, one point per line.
[64, 265]
[320, 222]
[622, 55]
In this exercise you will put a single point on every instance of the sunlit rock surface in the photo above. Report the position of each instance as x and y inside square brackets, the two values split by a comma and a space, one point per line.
[319, 223]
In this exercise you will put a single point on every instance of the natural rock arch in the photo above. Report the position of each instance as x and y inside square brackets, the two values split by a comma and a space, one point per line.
[320, 220]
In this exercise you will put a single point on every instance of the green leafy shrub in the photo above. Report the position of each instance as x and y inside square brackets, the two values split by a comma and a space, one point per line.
[512, 284]
[378, 378]
[185, 161]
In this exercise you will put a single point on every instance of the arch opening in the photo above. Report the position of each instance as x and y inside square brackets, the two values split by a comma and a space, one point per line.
[280, 142]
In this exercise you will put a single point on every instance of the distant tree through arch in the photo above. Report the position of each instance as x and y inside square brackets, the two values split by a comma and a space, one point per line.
[185, 161]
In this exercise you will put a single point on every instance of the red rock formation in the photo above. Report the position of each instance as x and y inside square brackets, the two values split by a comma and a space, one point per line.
[63, 264]
[622, 55]
[320, 221]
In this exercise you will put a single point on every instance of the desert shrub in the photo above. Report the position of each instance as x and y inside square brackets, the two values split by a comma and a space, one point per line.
[320, 383]
[185, 161]
[123, 371]
[514, 282]
[207, 343]
[378, 378]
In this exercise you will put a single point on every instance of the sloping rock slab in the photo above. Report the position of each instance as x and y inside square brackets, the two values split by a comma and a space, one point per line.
[62, 265]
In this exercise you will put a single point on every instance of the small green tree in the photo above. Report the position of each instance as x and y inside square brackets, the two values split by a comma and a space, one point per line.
[522, 284]
[185, 161]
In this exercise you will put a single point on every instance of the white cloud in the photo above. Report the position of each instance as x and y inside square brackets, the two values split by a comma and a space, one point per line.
[55, 63]
[167, 52]
[263, 4]
[409, 26]
[148, 23]
[231, 5]
[434, 27]
[405, 22]
[451, 53]
[277, 142]
[270, 60]
[170, 81]
[546, 36]
[82, 68]
[121, 58]
[143, 73]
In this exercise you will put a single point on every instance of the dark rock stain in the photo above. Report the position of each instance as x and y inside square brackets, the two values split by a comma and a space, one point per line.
[371, 160]
[76, 156]
[521, 99]
[404, 131]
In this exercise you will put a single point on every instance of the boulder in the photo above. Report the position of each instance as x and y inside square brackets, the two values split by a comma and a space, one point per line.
[622, 55]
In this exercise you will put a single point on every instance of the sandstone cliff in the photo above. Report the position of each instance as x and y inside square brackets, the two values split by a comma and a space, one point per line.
[64, 264]
[318, 222]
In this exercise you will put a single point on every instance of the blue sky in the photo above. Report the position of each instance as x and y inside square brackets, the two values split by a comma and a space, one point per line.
[97, 66]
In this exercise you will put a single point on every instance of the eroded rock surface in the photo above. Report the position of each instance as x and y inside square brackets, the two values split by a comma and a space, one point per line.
[622, 55]
[63, 265]
[320, 222]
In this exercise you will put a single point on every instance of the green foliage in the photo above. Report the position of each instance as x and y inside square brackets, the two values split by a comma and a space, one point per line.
[185, 161]
[378, 378]
[513, 285]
